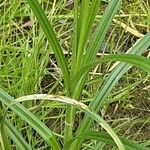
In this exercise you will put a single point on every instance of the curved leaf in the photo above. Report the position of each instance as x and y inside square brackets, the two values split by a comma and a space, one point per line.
[139, 47]
[105, 138]
[77, 104]
[32, 120]
[136, 60]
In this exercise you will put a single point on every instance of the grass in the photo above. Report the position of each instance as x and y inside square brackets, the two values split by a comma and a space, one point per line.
[33, 36]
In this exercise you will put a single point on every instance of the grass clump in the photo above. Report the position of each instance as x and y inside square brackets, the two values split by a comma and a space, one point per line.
[77, 49]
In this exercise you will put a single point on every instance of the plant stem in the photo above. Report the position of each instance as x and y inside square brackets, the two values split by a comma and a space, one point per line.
[70, 115]
[70, 110]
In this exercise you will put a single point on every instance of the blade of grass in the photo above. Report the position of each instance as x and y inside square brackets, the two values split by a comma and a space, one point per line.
[4, 138]
[16, 136]
[105, 138]
[111, 81]
[82, 22]
[98, 37]
[70, 111]
[101, 30]
[82, 27]
[77, 104]
[32, 120]
[4, 143]
[138, 61]
[95, 4]
[53, 41]
[120, 69]
[75, 38]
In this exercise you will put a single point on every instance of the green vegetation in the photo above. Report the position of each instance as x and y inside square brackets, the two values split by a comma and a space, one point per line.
[60, 59]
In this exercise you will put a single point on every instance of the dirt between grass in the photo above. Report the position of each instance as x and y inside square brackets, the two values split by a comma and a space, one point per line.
[136, 112]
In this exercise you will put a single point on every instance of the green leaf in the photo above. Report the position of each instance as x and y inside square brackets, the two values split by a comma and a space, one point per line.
[110, 82]
[86, 18]
[105, 138]
[32, 120]
[82, 28]
[95, 43]
[53, 41]
[78, 105]
[4, 138]
[118, 72]
[136, 60]
[101, 30]
[16, 136]
[74, 38]
[82, 22]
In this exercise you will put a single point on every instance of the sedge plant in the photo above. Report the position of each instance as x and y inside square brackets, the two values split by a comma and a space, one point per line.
[84, 49]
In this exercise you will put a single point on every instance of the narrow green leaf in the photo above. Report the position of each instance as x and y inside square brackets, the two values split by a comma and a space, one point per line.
[138, 61]
[32, 120]
[53, 41]
[96, 41]
[77, 104]
[105, 138]
[95, 5]
[83, 17]
[84, 25]
[74, 39]
[110, 82]
[4, 144]
[101, 30]
[16, 137]
[118, 72]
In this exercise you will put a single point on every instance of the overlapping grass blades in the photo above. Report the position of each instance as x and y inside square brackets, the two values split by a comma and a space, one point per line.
[32, 120]
[111, 81]
[105, 138]
[3, 137]
[74, 80]
[95, 43]
[53, 40]
[16, 136]
[132, 59]
[86, 17]
[89, 112]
